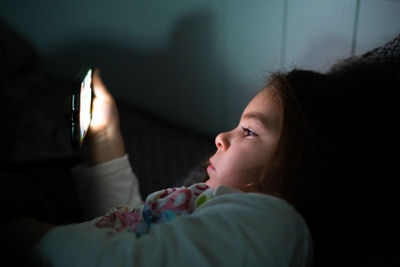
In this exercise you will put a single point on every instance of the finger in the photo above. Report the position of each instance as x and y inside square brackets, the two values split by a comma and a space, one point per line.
[97, 83]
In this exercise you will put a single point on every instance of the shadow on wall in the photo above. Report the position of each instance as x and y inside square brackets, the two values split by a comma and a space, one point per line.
[175, 83]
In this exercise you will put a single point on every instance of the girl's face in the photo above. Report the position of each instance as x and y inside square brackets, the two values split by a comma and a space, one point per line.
[248, 149]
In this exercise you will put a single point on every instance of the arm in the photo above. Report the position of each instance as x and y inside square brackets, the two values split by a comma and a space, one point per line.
[232, 230]
[106, 185]
[104, 140]
[107, 180]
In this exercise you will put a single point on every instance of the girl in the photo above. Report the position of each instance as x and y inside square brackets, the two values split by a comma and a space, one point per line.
[254, 180]
[244, 214]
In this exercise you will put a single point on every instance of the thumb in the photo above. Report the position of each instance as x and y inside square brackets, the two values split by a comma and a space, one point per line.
[99, 88]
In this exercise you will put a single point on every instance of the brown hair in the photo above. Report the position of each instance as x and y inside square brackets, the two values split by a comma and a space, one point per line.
[288, 177]
[293, 159]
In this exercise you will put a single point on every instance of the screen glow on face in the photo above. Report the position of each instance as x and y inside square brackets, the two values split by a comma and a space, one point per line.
[85, 104]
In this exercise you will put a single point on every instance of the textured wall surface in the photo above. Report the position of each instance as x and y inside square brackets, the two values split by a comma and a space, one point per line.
[198, 63]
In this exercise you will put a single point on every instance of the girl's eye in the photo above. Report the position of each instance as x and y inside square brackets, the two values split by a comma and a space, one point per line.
[249, 132]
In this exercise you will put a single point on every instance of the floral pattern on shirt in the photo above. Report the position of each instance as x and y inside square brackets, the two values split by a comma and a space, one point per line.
[160, 207]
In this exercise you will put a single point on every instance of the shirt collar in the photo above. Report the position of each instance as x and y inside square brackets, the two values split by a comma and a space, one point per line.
[223, 189]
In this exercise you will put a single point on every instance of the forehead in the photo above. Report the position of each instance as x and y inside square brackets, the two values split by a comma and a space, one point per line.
[267, 104]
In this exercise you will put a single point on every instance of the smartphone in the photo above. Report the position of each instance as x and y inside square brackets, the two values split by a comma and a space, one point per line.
[81, 107]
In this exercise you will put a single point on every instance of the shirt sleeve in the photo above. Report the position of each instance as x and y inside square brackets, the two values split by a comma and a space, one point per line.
[229, 230]
[107, 185]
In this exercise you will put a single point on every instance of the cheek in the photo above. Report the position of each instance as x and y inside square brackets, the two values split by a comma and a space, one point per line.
[257, 156]
[242, 165]
[259, 161]
[245, 164]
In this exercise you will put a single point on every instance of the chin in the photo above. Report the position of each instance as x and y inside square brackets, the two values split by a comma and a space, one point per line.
[210, 184]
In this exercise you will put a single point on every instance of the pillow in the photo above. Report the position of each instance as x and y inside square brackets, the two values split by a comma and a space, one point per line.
[385, 58]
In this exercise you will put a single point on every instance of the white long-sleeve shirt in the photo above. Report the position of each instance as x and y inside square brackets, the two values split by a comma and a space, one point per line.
[231, 229]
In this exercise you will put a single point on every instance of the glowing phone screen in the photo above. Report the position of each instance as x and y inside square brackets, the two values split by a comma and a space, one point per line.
[85, 112]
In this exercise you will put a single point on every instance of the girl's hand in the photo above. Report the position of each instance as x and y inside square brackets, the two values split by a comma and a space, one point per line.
[20, 235]
[104, 139]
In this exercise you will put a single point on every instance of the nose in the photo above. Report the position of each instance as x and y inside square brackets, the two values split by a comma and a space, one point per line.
[222, 141]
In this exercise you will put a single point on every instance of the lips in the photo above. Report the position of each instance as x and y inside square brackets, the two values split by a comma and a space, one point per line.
[210, 167]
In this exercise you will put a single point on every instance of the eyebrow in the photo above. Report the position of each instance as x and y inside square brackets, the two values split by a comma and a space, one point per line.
[260, 117]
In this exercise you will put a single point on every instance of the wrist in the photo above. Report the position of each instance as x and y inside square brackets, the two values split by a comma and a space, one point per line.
[104, 147]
